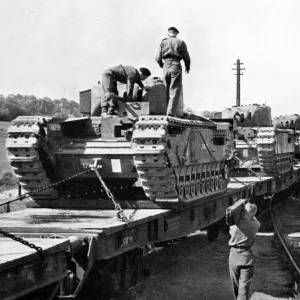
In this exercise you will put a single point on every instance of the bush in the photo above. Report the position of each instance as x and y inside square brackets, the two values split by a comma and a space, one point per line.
[8, 181]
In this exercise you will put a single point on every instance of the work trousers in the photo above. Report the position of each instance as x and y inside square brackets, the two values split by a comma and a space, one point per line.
[109, 85]
[172, 76]
[241, 267]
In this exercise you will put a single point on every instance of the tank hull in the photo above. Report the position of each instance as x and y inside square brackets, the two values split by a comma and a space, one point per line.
[260, 146]
[153, 158]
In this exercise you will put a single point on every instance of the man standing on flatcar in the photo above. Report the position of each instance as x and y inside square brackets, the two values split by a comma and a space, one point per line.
[171, 51]
[241, 258]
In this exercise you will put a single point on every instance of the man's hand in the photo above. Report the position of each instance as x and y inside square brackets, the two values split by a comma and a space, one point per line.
[187, 71]
[147, 88]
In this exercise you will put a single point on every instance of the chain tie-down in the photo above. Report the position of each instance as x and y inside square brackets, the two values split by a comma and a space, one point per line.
[24, 242]
[120, 212]
[27, 195]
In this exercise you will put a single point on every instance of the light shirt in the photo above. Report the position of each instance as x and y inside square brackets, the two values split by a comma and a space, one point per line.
[243, 234]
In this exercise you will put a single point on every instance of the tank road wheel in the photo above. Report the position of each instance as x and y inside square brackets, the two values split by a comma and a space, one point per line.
[187, 190]
[207, 185]
[193, 189]
[181, 191]
[193, 181]
[198, 186]
[220, 176]
[173, 181]
[212, 177]
[204, 179]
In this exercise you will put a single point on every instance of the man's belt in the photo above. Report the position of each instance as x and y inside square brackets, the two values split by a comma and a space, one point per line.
[241, 247]
[172, 57]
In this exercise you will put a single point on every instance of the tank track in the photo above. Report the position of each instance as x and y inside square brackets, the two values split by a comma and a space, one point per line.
[24, 150]
[159, 179]
[271, 163]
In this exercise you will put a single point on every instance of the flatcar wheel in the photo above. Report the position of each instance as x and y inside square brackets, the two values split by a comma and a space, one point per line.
[98, 285]
[213, 232]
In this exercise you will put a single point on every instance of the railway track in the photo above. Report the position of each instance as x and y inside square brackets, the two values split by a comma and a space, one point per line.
[196, 269]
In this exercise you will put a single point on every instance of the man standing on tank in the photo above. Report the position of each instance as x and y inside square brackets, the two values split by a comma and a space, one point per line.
[241, 258]
[123, 74]
[171, 51]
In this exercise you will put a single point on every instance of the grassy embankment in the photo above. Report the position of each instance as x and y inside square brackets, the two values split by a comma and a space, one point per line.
[8, 180]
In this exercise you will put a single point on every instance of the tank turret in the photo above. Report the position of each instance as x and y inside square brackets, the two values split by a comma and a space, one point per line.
[252, 115]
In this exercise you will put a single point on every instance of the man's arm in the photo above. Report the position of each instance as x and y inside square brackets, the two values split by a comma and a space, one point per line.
[130, 85]
[186, 57]
[158, 57]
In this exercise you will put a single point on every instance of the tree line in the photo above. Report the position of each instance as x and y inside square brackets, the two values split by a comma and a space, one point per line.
[13, 106]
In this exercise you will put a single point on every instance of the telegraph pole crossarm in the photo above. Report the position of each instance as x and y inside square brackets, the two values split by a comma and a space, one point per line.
[238, 80]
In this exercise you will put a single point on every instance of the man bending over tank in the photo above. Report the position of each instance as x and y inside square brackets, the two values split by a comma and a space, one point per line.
[123, 74]
[241, 259]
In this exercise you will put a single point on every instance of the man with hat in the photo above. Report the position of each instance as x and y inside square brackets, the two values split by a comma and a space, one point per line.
[241, 258]
[123, 74]
[171, 51]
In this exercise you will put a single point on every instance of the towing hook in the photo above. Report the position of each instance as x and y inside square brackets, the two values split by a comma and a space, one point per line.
[96, 164]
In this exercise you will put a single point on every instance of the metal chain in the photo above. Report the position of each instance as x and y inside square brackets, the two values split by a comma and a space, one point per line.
[22, 241]
[120, 212]
[26, 195]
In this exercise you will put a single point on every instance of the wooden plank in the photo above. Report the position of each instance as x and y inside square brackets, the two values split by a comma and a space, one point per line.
[13, 253]
[22, 271]
[73, 221]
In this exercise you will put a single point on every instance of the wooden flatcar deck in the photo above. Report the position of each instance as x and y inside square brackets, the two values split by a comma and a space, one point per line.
[23, 271]
[11, 251]
[46, 220]
[97, 221]
[109, 235]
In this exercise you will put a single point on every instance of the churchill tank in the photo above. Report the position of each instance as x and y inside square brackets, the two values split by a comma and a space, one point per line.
[145, 158]
[260, 146]
[290, 122]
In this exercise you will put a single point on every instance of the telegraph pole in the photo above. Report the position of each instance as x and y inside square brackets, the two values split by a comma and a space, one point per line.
[238, 80]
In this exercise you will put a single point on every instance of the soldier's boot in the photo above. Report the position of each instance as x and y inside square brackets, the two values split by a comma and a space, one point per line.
[104, 112]
[112, 111]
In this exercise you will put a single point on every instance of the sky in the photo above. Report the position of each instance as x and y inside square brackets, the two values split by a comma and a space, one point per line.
[57, 48]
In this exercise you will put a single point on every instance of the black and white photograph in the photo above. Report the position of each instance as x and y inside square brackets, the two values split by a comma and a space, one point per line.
[149, 150]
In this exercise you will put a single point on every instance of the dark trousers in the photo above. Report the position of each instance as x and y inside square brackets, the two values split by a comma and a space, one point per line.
[172, 76]
[109, 85]
[241, 272]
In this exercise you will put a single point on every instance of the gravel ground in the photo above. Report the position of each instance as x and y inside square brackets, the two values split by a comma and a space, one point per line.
[201, 272]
